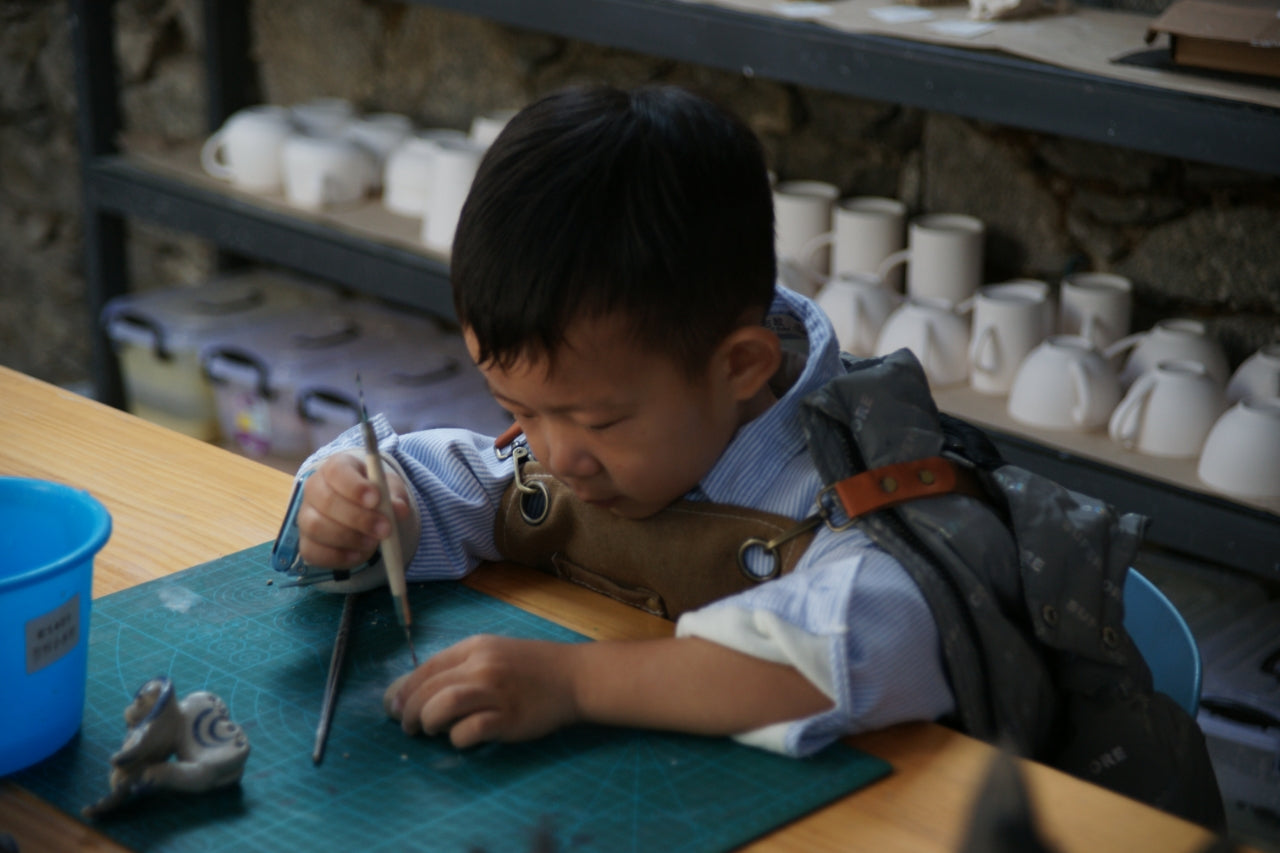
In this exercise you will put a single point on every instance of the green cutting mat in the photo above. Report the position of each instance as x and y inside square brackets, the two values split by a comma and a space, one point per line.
[265, 650]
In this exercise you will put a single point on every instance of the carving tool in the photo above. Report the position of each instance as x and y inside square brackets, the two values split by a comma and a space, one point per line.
[392, 555]
[335, 676]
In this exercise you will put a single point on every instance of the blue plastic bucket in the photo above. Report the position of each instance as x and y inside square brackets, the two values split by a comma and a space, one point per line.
[49, 534]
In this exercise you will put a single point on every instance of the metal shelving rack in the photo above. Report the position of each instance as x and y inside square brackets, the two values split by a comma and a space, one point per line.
[973, 84]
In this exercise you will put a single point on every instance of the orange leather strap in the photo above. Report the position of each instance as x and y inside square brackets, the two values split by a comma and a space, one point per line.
[890, 485]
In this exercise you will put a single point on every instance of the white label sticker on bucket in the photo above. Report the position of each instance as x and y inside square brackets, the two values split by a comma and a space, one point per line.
[52, 635]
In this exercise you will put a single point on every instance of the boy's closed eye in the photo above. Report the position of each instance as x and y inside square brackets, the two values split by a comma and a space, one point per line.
[604, 425]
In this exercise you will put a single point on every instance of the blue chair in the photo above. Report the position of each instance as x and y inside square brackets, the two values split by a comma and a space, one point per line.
[1165, 641]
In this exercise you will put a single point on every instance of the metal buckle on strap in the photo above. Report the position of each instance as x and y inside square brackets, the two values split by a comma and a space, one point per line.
[535, 501]
[770, 549]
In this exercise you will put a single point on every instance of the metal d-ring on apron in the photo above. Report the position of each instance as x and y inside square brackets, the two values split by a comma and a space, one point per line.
[535, 502]
[826, 514]
[770, 548]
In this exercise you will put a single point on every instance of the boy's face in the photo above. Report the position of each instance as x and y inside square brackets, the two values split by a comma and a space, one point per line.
[626, 429]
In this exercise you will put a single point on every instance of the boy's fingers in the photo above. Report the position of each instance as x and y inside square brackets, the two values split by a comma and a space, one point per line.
[347, 476]
[342, 527]
[390, 699]
[436, 707]
[324, 557]
[476, 729]
[324, 505]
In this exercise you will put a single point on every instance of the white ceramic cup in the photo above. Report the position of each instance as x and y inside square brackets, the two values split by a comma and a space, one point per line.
[1170, 339]
[1169, 410]
[937, 335]
[323, 116]
[486, 126]
[326, 171]
[865, 230]
[1064, 383]
[380, 134]
[802, 210]
[1008, 323]
[453, 166]
[857, 305]
[1257, 376]
[1096, 305]
[246, 149]
[1241, 455]
[406, 176]
[944, 257]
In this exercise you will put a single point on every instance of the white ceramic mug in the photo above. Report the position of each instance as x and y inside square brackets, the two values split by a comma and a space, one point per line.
[944, 257]
[323, 116]
[1064, 383]
[802, 210]
[1169, 410]
[406, 176]
[1257, 376]
[246, 149]
[486, 126]
[1096, 305]
[1241, 455]
[865, 230]
[326, 171]
[453, 166]
[1008, 323]
[937, 335]
[380, 134]
[1170, 339]
[857, 305]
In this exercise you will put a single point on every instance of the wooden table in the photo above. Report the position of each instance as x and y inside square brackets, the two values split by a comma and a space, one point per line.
[176, 502]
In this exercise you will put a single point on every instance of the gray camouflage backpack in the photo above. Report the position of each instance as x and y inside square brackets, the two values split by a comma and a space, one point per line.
[1025, 581]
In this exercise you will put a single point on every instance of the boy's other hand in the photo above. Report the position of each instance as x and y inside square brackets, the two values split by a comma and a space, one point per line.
[339, 523]
[488, 688]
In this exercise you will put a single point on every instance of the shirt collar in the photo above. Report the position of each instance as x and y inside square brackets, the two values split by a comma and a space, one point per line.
[776, 435]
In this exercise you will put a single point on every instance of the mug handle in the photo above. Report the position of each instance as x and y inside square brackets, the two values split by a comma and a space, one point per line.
[1127, 342]
[329, 187]
[857, 318]
[984, 352]
[928, 344]
[1089, 328]
[804, 257]
[1126, 420]
[1084, 397]
[886, 266]
[209, 156]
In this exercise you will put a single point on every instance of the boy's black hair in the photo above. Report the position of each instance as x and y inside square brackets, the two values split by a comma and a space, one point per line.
[651, 204]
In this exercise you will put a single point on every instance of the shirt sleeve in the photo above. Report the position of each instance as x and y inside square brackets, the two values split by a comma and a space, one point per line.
[455, 483]
[851, 620]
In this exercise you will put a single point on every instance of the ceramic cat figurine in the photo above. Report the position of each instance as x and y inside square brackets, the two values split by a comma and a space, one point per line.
[210, 748]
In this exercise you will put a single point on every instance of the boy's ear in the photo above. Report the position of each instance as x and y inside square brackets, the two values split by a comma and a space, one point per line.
[750, 355]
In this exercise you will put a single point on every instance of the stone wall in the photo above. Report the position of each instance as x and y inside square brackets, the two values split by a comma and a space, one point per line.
[1197, 240]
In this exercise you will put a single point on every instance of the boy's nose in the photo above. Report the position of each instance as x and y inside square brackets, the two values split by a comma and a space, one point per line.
[569, 459]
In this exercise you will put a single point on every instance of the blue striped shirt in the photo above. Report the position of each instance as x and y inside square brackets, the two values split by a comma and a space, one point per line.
[848, 617]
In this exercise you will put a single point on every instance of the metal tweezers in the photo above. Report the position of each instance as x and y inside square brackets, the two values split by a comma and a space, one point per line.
[335, 675]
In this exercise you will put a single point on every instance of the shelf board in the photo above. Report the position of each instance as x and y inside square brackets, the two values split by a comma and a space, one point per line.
[1186, 515]
[364, 247]
[377, 252]
[977, 84]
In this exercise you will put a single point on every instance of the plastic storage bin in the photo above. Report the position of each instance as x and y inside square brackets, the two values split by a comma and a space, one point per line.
[157, 336]
[257, 371]
[420, 386]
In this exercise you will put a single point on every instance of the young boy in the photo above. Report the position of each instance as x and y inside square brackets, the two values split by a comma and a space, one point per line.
[614, 277]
